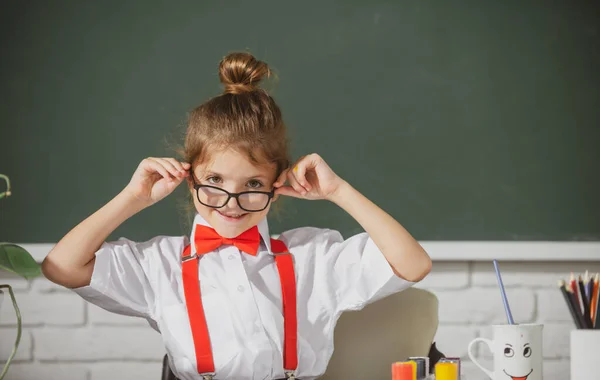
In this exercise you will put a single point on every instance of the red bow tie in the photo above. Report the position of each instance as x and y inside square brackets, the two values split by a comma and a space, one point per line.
[207, 240]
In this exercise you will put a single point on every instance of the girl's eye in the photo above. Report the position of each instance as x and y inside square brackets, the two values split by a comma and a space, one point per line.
[214, 180]
[254, 184]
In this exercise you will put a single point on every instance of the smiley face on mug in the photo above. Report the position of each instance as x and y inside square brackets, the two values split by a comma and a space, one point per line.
[516, 362]
[517, 351]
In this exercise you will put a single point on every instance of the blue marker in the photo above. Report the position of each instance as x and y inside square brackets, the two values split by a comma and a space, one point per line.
[503, 292]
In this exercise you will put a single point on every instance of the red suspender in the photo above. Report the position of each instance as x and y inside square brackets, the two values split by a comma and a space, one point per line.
[193, 301]
[285, 266]
[191, 286]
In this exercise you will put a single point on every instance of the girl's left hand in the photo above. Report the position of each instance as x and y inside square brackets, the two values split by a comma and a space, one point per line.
[310, 178]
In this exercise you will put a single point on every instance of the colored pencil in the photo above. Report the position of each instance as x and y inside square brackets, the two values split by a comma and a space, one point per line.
[594, 303]
[573, 284]
[588, 285]
[597, 305]
[574, 301]
[586, 305]
[570, 304]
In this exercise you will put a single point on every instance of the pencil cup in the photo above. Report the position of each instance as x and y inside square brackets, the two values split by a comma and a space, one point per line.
[517, 351]
[585, 347]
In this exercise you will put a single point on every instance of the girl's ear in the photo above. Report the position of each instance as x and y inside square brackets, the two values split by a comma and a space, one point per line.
[190, 184]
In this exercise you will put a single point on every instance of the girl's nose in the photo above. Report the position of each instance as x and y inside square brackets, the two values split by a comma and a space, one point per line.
[232, 204]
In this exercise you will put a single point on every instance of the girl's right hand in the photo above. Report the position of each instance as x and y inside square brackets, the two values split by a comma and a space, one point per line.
[155, 178]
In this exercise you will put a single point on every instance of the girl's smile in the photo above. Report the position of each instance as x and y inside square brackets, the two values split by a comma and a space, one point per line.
[233, 171]
[231, 217]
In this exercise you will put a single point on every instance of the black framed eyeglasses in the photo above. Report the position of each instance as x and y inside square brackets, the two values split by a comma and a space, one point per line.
[216, 197]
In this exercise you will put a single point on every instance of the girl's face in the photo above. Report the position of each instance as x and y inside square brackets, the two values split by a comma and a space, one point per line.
[232, 171]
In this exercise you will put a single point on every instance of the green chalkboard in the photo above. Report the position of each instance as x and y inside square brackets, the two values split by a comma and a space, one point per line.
[470, 120]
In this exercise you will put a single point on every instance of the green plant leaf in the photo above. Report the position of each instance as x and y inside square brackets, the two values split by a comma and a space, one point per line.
[17, 260]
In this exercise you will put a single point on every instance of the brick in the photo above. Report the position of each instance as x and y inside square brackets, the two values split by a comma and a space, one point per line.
[446, 275]
[454, 340]
[531, 274]
[557, 340]
[470, 371]
[99, 316]
[557, 369]
[43, 285]
[484, 350]
[48, 371]
[484, 306]
[24, 351]
[50, 309]
[552, 306]
[126, 371]
[100, 343]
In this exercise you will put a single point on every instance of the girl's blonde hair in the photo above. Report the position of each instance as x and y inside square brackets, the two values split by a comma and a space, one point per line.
[244, 117]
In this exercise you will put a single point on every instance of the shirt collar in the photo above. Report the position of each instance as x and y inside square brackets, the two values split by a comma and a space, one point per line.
[263, 229]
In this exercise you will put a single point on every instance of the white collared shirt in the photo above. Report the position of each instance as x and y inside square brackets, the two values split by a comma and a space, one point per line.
[241, 295]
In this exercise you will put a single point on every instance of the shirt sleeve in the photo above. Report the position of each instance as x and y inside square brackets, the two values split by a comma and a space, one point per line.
[124, 275]
[354, 271]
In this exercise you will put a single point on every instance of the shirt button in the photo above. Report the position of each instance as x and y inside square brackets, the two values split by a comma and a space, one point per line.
[231, 257]
[240, 288]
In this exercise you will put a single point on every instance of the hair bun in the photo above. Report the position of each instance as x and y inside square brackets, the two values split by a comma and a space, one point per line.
[241, 72]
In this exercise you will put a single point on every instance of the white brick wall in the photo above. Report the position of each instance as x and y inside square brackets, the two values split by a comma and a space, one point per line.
[65, 338]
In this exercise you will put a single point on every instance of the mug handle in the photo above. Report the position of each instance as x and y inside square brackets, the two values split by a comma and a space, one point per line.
[473, 342]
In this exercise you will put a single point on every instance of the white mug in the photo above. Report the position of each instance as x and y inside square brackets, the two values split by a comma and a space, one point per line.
[517, 351]
[585, 347]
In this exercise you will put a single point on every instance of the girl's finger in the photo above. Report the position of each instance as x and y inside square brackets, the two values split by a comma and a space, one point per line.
[172, 166]
[300, 173]
[158, 168]
[288, 191]
[295, 184]
[281, 179]
[169, 166]
[178, 165]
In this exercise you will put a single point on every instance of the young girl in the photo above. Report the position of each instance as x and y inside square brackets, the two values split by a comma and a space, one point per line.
[229, 301]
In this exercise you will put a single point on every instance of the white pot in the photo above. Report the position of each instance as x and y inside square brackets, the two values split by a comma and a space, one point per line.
[585, 346]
